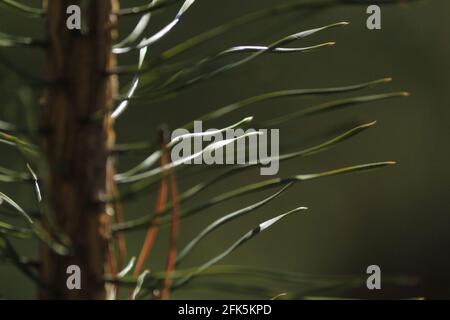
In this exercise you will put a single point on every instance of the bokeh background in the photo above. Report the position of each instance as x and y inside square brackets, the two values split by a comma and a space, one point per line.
[397, 218]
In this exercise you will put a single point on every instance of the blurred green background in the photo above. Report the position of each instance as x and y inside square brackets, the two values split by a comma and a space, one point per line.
[397, 218]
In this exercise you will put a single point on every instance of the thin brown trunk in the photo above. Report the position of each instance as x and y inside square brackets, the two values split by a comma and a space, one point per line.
[80, 170]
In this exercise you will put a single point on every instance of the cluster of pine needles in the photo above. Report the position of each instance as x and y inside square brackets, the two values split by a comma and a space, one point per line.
[161, 77]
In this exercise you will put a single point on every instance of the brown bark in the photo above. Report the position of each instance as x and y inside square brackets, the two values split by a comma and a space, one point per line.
[80, 170]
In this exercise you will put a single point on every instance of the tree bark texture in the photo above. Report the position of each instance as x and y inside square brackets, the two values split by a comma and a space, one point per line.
[78, 138]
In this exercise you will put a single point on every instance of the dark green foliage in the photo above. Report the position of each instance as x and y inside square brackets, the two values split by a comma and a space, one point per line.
[163, 78]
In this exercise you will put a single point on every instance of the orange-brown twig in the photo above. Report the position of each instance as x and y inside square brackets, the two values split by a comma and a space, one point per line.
[120, 236]
[116, 263]
[172, 254]
[159, 208]
[112, 267]
[152, 231]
